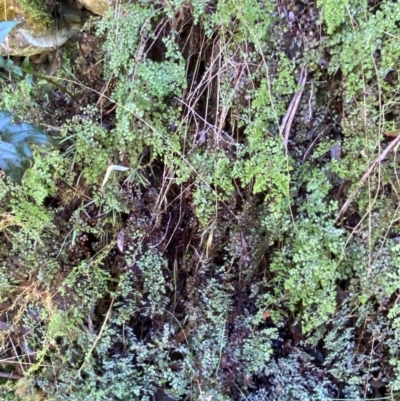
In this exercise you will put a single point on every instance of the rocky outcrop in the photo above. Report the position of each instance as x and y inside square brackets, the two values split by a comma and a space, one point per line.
[98, 7]
[26, 42]
[37, 32]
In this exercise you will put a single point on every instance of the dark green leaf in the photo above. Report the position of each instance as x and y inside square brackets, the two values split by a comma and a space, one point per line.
[5, 28]
[17, 70]
[24, 150]
[12, 163]
[24, 132]
[9, 65]
[5, 118]
[27, 68]
[26, 64]
[15, 155]
[29, 79]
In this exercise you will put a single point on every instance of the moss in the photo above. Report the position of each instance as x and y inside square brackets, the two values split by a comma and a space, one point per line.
[33, 12]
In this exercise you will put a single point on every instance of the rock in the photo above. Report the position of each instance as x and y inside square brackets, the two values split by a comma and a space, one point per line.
[98, 7]
[24, 42]
[38, 32]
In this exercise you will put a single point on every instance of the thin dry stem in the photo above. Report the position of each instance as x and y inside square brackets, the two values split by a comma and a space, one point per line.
[286, 125]
[392, 145]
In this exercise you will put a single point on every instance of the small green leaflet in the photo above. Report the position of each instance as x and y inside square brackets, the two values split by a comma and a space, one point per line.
[9, 65]
[5, 28]
[15, 155]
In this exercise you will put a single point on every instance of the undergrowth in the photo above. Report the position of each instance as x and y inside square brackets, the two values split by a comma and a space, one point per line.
[224, 263]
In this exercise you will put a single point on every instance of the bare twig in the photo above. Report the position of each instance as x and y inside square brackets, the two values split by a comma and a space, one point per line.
[364, 178]
[284, 129]
[313, 142]
[51, 80]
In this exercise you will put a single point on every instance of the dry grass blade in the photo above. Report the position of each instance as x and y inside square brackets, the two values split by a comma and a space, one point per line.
[110, 169]
[107, 317]
[284, 129]
[379, 159]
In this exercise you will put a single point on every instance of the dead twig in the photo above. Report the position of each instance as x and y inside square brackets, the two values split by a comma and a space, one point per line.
[315, 140]
[284, 129]
[364, 178]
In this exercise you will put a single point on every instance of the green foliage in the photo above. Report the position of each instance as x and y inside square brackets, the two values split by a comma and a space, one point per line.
[251, 17]
[257, 350]
[91, 146]
[37, 11]
[334, 13]
[213, 266]
[363, 50]
[151, 264]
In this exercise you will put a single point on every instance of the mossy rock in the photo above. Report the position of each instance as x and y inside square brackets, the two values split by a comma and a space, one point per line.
[37, 32]
[33, 12]
[99, 7]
